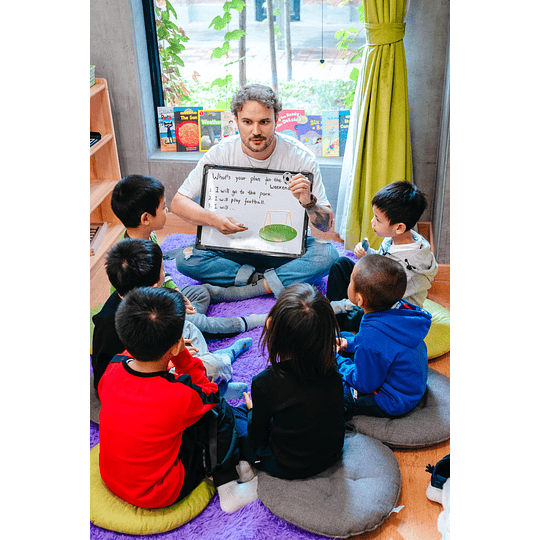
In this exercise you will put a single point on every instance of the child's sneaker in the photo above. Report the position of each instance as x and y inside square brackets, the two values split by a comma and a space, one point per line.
[439, 475]
[443, 522]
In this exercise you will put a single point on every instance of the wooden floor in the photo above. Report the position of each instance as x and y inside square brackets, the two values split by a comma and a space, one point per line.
[418, 518]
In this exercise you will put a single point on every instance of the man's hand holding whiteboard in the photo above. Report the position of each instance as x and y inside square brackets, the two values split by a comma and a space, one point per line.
[255, 210]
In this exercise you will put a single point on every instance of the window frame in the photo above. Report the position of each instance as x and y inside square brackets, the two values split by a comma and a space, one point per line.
[154, 63]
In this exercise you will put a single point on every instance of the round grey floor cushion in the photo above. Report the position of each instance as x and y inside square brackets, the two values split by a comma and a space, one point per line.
[95, 403]
[353, 496]
[427, 424]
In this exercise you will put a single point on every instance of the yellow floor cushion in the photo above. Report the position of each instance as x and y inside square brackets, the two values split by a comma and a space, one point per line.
[438, 338]
[110, 512]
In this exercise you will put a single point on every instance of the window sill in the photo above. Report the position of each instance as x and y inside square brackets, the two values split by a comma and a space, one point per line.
[193, 157]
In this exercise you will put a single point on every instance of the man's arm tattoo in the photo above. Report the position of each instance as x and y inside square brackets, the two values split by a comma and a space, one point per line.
[321, 218]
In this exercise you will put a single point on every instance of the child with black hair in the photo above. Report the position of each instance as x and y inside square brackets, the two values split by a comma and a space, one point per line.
[397, 208]
[139, 203]
[162, 433]
[137, 263]
[387, 375]
[292, 423]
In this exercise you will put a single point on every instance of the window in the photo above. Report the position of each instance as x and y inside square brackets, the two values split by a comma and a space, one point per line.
[199, 63]
[198, 60]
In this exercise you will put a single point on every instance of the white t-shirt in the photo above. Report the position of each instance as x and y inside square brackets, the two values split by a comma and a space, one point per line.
[288, 155]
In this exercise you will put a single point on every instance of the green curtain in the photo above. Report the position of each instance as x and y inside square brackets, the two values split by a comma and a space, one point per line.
[382, 145]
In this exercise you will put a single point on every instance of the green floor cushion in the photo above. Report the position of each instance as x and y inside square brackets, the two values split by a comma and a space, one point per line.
[110, 512]
[95, 403]
[93, 311]
[352, 497]
[438, 338]
[427, 424]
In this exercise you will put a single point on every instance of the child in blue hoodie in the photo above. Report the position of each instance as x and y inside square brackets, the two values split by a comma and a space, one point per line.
[387, 374]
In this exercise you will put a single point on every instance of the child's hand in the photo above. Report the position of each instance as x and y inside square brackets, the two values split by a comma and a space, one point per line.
[341, 344]
[190, 310]
[191, 348]
[361, 248]
[249, 403]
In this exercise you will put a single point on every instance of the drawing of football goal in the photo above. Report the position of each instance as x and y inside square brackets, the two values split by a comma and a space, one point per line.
[278, 232]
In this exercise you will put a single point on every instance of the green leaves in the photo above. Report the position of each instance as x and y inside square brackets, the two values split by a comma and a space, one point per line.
[219, 23]
[170, 9]
[222, 82]
[218, 52]
[171, 41]
[235, 34]
[344, 38]
[239, 5]
[311, 94]
[224, 105]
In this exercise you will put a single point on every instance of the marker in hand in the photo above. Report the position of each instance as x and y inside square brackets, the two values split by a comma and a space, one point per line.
[365, 244]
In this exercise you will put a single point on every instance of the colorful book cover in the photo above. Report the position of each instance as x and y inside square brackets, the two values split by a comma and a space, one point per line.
[330, 133]
[228, 124]
[186, 121]
[210, 129]
[287, 121]
[344, 119]
[310, 132]
[167, 136]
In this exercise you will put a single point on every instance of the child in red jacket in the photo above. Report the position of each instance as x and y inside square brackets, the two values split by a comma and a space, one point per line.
[156, 426]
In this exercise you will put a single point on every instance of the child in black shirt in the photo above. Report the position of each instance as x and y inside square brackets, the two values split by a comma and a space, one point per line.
[292, 424]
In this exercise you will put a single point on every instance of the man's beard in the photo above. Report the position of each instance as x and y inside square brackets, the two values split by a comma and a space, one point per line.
[263, 147]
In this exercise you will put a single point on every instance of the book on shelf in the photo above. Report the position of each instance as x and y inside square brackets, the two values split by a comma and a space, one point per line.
[97, 234]
[310, 132]
[186, 120]
[330, 133]
[167, 133]
[228, 124]
[344, 119]
[210, 129]
[287, 121]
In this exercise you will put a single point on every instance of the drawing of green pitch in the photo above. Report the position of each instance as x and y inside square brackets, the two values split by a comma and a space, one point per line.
[278, 232]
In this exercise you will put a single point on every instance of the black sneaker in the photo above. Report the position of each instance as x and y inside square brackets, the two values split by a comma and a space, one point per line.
[439, 475]
[255, 278]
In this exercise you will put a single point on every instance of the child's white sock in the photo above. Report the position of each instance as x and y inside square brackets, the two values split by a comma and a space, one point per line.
[252, 321]
[245, 471]
[341, 306]
[234, 495]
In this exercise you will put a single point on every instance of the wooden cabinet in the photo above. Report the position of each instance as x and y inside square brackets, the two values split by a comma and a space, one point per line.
[105, 227]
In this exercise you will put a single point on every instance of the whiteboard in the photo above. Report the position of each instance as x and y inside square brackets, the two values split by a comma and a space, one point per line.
[261, 200]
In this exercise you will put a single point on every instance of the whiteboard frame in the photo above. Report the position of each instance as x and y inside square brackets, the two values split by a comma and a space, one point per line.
[249, 170]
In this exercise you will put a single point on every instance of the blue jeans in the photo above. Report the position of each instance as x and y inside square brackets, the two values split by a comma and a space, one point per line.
[360, 404]
[227, 268]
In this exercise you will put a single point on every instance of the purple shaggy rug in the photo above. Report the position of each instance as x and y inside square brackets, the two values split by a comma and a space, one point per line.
[254, 521]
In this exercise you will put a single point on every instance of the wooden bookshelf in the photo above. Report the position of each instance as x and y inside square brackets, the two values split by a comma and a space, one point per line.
[104, 174]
